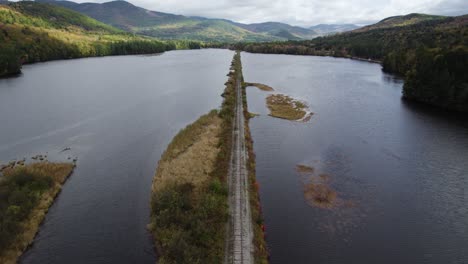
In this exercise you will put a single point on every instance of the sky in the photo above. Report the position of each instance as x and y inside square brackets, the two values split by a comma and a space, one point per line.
[302, 12]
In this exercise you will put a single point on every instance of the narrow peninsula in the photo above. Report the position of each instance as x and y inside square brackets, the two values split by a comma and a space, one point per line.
[26, 192]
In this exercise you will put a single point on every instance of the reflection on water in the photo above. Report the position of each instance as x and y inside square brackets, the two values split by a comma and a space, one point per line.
[399, 167]
[116, 115]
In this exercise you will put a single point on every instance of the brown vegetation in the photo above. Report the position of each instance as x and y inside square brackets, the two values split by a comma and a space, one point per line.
[319, 195]
[283, 106]
[304, 169]
[260, 86]
[317, 189]
[189, 208]
[22, 216]
[191, 155]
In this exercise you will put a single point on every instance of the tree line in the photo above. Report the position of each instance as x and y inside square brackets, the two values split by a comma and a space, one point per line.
[34, 32]
[430, 55]
[22, 45]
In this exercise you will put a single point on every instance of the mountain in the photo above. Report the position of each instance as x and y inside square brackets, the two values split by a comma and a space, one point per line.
[400, 21]
[327, 29]
[120, 14]
[280, 30]
[34, 32]
[126, 16]
[430, 52]
[53, 17]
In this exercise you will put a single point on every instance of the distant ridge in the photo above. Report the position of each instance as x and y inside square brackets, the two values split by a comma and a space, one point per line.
[399, 21]
[126, 16]
[326, 29]
[430, 52]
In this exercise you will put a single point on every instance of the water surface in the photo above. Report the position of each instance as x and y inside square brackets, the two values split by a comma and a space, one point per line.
[117, 114]
[400, 169]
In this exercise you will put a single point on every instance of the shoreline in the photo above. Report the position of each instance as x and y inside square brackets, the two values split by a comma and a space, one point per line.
[29, 227]
[261, 254]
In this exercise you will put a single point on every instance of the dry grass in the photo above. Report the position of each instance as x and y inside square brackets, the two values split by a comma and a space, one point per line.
[59, 173]
[191, 156]
[188, 206]
[320, 195]
[317, 189]
[304, 169]
[283, 106]
[260, 86]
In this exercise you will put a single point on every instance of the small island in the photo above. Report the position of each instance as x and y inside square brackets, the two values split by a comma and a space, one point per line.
[285, 107]
[26, 192]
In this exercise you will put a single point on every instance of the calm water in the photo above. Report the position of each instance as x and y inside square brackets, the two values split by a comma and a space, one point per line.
[117, 114]
[400, 169]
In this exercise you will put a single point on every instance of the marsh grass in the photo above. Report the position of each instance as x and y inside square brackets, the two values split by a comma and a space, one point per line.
[317, 188]
[260, 86]
[191, 155]
[26, 193]
[320, 195]
[304, 169]
[283, 106]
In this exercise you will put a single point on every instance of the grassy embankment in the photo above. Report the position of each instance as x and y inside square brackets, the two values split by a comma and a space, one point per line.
[283, 106]
[35, 32]
[26, 193]
[261, 250]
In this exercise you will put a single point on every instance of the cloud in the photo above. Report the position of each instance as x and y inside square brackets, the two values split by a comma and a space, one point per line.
[303, 12]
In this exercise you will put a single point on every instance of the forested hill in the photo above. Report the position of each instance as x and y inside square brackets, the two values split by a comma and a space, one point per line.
[33, 32]
[126, 16]
[400, 21]
[328, 29]
[431, 52]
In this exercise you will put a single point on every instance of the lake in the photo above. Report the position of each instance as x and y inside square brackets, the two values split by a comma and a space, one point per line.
[117, 115]
[400, 170]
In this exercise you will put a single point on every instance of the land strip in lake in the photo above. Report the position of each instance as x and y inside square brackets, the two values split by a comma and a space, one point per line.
[26, 193]
[245, 239]
[240, 231]
[188, 206]
[204, 188]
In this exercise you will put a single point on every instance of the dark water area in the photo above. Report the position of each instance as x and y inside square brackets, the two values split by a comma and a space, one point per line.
[400, 169]
[117, 115]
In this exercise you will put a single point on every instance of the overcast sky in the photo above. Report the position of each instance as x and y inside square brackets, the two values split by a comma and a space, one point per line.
[302, 12]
